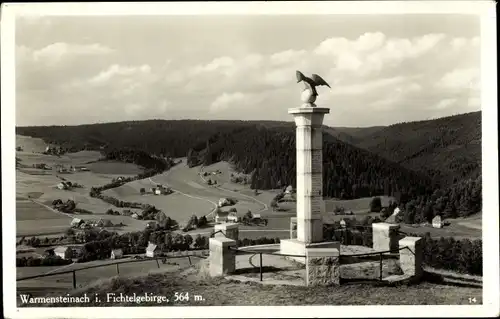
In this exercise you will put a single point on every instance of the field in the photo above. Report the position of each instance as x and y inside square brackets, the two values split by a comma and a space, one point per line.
[35, 218]
[114, 167]
[470, 227]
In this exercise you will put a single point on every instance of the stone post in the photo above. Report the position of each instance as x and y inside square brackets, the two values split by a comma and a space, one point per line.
[385, 236]
[222, 260]
[322, 266]
[411, 258]
[309, 148]
[229, 230]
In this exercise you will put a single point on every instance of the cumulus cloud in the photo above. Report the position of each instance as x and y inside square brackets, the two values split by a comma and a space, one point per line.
[234, 100]
[117, 71]
[467, 78]
[394, 76]
[446, 103]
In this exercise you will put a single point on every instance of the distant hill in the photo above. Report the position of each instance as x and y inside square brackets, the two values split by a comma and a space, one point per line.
[357, 134]
[447, 148]
[269, 154]
[431, 167]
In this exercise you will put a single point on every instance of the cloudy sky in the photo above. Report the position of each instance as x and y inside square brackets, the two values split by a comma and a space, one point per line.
[382, 69]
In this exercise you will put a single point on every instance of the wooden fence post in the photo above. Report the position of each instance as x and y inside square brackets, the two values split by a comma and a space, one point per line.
[117, 269]
[157, 262]
[260, 266]
[380, 266]
[74, 279]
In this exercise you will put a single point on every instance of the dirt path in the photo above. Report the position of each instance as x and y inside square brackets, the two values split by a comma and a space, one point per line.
[188, 195]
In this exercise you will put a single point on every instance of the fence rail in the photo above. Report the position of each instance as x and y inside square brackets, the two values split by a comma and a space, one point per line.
[381, 255]
[74, 271]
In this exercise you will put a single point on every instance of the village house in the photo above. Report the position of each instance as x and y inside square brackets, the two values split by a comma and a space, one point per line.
[76, 251]
[152, 250]
[256, 216]
[126, 212]
[226, 217]
[437, 222]
[49, 252]
[116, 253]
[223, 202]
[63, 251]
[151, 224]
[64, 185]
[77, 222]
[104, 223]
[392, 219]
[135, 216]
[79, 169]
[343, 223]
[289, 190]
[85, 226]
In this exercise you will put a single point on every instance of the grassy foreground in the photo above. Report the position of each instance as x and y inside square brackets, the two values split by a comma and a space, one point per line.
[220, 292]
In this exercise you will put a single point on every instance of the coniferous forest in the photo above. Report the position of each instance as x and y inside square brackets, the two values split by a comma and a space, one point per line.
[430, 167]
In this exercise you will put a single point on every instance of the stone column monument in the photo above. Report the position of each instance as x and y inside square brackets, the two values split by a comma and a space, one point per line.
[309, 147]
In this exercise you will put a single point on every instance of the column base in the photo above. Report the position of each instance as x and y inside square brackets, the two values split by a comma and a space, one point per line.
[296, 247]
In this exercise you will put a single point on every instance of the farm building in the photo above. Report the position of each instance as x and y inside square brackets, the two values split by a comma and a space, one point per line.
[343, 223]
[437, 222]
[126, 212]
[85, 226]
[152, 250]
[64, 185]
[135, 216]
[223, 202]
[49, 252]
[77, 222]
[225, 217]
[116, 253]
[63, 251]
[289, 190]
[256, 216]
[392, 219]
[76, 251]
[151, 224]
[79, 169]
[104, 223]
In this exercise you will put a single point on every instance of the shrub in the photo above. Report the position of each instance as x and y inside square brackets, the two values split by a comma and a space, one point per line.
[462, 255]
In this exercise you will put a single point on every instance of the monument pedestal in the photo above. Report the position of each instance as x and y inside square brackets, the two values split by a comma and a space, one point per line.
[297, 247]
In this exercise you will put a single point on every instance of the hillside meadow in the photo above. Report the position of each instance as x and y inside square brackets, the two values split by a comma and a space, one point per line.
[222, 292]
[35, 218]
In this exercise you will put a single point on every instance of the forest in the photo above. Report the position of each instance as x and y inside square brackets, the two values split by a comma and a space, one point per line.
[431, 167]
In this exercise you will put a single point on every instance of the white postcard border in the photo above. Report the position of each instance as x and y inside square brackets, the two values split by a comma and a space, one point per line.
[486, 9]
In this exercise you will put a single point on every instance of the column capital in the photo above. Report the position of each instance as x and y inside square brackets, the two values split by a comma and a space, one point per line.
[309, 116]
[308, 110]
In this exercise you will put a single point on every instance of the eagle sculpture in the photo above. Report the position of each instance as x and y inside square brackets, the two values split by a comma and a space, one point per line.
[309, 94]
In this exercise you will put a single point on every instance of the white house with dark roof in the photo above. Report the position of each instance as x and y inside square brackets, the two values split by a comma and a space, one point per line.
[64, 252]
[77, 222]
[117, 253]
[152, 250]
